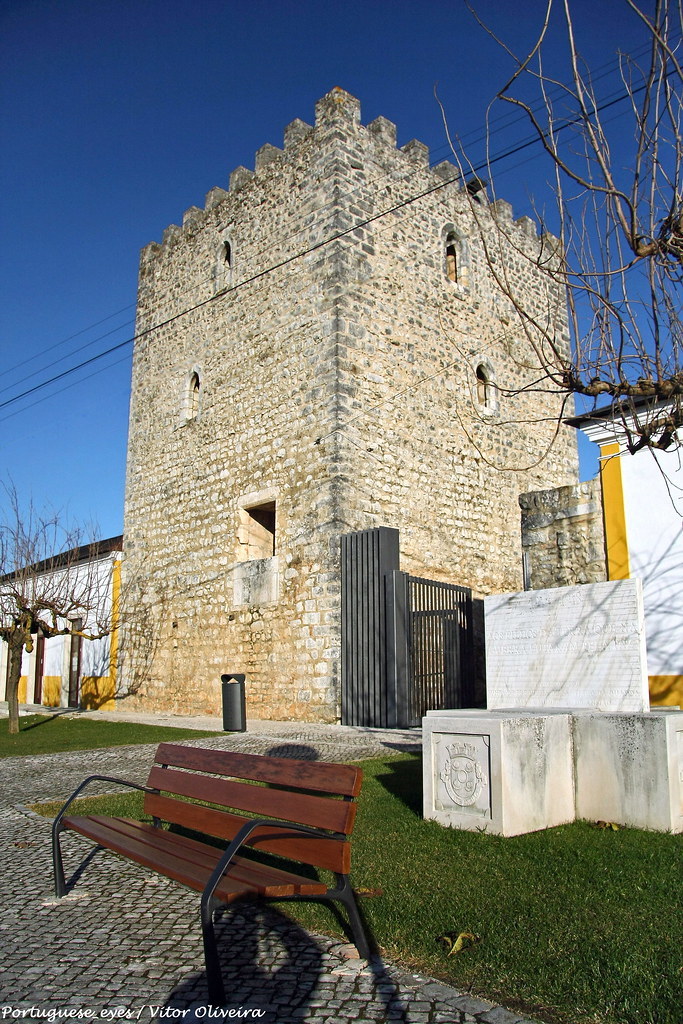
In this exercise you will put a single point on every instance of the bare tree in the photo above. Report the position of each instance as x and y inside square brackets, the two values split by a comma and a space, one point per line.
[616, 245]
[50, 582]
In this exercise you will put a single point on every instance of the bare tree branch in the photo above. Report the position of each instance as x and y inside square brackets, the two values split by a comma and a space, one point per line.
[618, 254]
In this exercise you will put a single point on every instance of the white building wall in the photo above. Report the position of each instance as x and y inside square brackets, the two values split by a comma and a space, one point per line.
[653, 508]
[97, 672]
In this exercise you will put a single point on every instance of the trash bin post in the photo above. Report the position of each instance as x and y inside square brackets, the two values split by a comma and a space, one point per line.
[234, 702]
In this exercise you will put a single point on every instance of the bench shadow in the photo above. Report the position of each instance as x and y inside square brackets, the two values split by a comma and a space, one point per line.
[70, 882]
[268, 964]
[300, 751]
[272, 967]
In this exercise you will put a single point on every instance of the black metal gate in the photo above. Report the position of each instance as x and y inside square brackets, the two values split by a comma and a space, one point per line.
[366, 558]
[407, 643]
[439, 647]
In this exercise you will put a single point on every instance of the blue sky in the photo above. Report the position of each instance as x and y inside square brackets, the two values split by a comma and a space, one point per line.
[117, 116]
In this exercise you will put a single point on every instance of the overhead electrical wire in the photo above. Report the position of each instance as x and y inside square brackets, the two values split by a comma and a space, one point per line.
[474, 136]
[475, 169]
[67, 387]
[502, 122]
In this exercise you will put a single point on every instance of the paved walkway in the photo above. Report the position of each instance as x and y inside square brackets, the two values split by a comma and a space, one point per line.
[126, 945]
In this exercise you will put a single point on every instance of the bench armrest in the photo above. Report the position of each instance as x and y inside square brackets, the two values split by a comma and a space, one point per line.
[239, 841]
[60, 886]
[56, 824]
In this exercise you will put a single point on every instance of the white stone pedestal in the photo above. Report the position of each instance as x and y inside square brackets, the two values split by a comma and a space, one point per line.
[629, 768]
[505, 772]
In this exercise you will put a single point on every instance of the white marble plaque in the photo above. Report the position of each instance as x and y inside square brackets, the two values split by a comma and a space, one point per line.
[568, 648]
[256, 582]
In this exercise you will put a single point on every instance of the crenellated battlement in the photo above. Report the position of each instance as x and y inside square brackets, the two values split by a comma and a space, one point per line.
[337, 111]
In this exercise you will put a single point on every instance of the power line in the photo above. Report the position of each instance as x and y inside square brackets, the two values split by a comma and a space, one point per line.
[76, 383]
[483, 166]
[81, 348]
[473, 137]
[70, 337]
[65, 373]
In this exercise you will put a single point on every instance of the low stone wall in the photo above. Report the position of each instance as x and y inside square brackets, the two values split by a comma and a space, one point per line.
[563, 537]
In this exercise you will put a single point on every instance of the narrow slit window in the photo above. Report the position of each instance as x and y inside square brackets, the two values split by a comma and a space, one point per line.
[485, 388]
[193, 397]
[451, 261]
[455, 258]
[227, 253]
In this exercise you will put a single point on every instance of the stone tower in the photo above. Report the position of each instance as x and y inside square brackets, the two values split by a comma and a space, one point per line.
[321, 349]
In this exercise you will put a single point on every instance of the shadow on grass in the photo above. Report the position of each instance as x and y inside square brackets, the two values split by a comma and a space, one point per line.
[43, 720]
[403, 779]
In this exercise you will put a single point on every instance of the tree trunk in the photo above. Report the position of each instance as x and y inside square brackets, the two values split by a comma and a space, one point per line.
[16, 650]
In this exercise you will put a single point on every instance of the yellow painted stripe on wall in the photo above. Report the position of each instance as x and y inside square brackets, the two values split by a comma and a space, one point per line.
[666, 691]
[23, 684]
[51, 691]
[97, 693]
[616, 539]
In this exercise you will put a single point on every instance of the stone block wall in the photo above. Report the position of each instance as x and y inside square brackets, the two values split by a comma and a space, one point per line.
[323, 348]
[563, 537]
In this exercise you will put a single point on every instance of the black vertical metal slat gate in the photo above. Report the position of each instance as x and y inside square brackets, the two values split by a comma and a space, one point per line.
[366, 557]
[407, 643]
[440, 644]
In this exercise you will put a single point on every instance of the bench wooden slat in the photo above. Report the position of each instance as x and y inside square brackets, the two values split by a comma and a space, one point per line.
[318, 811]
[244, 874]
[242, 869]
[110, 836]
[190, 862]
[332, 854]
[317, 776]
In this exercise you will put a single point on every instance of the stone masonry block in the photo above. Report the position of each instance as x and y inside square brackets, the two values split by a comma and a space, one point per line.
[337, 105]
[383, 129]
[295, 131]
[502, 772]
[192, 217]
[447, 171]
[265, 156]
[417, 151]
[214, 196]
[629, 768]
[240, 177]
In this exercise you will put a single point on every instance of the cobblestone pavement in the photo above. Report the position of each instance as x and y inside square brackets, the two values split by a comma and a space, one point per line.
[126, 945]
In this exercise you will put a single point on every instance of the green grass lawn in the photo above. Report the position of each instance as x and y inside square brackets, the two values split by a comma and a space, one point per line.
[574, 923]
[51, 734]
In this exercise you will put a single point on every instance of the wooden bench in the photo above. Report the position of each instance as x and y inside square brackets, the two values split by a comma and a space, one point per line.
[304, 810]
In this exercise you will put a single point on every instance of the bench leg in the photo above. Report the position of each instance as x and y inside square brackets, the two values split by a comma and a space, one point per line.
[58, 866]
[347, 896]
[213, 966]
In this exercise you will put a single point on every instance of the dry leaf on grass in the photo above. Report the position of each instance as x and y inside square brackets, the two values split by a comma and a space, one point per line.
[458, 943]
